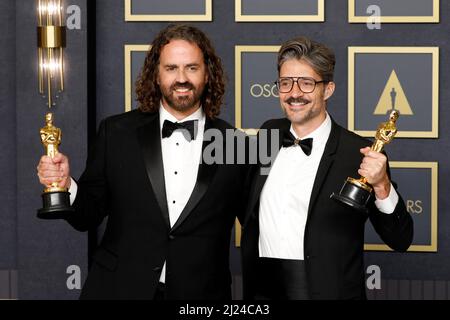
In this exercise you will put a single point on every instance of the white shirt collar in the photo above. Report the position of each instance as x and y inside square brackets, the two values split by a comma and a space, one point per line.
[166, 115]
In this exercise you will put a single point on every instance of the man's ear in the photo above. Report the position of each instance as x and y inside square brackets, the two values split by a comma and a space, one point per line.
[329, 90]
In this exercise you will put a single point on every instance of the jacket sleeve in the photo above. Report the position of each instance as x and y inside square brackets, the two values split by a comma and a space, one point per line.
[395, 229]
[91, 202]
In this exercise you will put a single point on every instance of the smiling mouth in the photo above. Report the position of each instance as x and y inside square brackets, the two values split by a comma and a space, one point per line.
[297, 104]
[182, 90]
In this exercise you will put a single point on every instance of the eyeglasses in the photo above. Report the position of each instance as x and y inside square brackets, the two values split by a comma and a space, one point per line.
[306, 85]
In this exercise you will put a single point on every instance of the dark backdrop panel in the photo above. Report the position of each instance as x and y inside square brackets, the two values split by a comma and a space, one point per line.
[8, 243]
[47, 248]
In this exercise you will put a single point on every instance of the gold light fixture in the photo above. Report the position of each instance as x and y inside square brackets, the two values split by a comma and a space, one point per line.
[51, 44]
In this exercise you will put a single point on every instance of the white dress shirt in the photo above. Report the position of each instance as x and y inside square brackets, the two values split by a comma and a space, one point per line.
[286, 194]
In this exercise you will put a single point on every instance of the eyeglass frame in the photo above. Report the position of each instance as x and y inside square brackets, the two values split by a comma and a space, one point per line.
[295, 80]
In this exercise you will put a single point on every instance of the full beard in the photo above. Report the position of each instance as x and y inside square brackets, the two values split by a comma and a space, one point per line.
[182, 103]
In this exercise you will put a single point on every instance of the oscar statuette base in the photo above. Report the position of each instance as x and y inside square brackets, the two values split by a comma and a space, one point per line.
[355, 194]
[56, 205]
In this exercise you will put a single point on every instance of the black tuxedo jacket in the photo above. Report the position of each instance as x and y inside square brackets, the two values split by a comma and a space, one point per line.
[124, 180]
[334, 234]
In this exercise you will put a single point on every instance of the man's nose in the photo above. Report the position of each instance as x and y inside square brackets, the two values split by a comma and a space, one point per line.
[296, 92]
[181, 76]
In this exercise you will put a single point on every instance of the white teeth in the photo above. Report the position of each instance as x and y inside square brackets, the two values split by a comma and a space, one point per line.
[297, 104]
[182, 90]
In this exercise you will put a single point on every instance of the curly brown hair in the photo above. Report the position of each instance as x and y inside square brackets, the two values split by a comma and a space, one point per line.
[148, 92]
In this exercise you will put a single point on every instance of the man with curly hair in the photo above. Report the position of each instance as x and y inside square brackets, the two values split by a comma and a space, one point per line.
[170, 215]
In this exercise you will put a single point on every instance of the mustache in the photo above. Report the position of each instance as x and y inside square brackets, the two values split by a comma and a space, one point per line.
[296, 100]
[182, 85]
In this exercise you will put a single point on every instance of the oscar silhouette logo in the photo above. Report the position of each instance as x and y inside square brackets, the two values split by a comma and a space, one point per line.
[394, 92]
[357, 192]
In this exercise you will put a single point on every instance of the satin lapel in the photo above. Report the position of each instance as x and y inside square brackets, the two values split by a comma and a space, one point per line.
[149, 138]
[325, 164]
[261, 174]
[258, 184]
[205, 174]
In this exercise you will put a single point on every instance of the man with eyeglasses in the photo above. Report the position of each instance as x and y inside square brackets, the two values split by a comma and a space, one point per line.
[297, 243]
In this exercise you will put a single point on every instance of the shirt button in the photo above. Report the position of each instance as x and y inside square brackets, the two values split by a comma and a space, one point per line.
[173, 201]
[176, 172]
[178, 144]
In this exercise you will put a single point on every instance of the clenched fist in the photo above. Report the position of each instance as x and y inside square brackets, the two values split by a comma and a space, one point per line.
[373, 168]
[54, 170]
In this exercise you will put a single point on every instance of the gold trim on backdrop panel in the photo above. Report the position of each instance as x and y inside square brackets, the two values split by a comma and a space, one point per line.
[320, 17]
[129, 16]
[128, 50]
[434, 51]
[433, 166]
[435, 18]
[238, 50]
[237, 233]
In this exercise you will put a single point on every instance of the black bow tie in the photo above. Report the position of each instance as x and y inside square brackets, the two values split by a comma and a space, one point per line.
[289, 140]
[189, 129]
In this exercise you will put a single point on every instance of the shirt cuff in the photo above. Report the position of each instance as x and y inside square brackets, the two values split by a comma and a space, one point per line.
[388, 205]
[73, 190]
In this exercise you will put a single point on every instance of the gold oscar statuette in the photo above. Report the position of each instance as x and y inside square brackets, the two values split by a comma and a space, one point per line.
[56, 200]
[357, 192]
